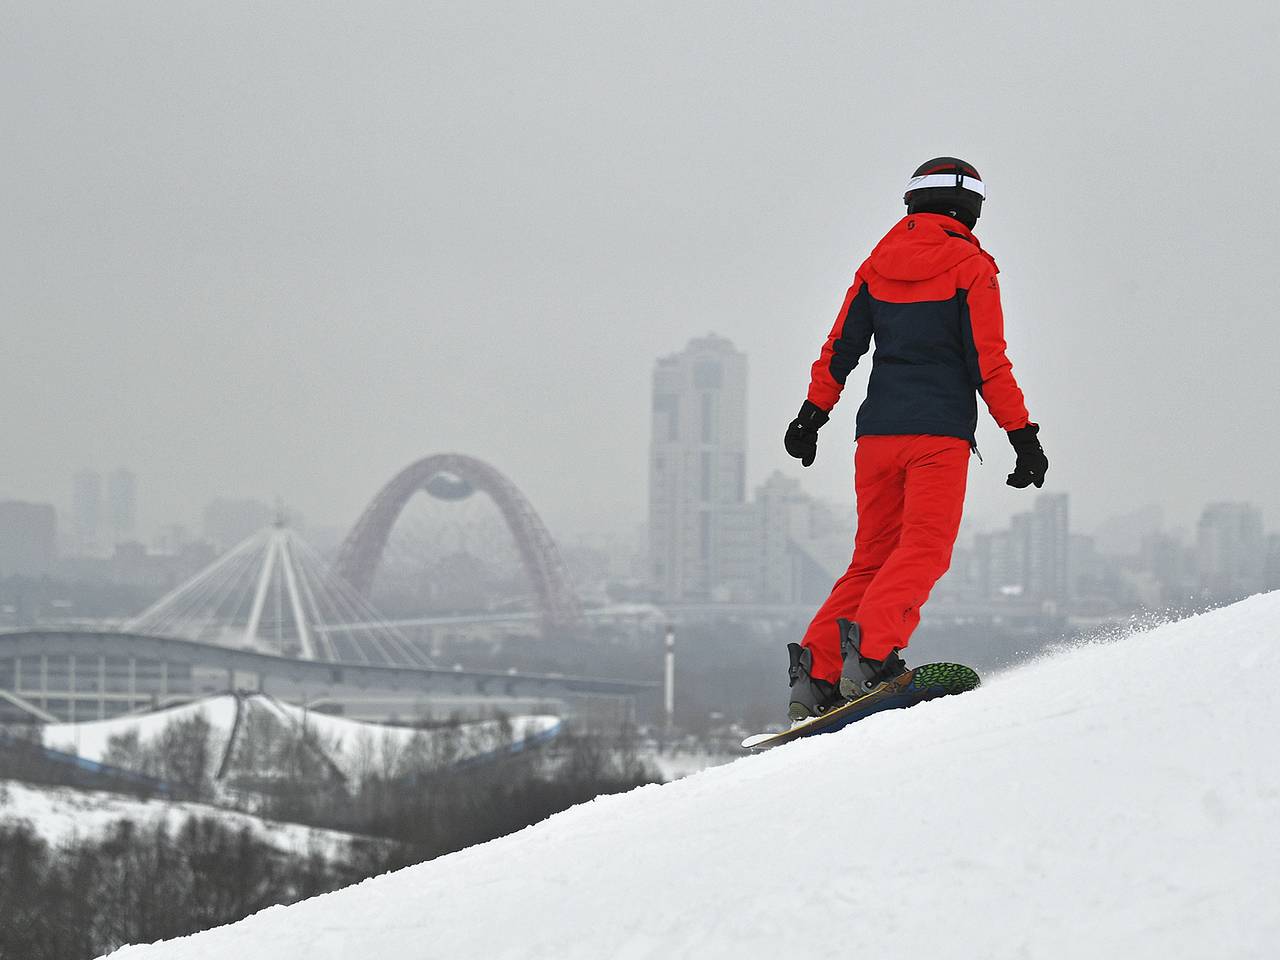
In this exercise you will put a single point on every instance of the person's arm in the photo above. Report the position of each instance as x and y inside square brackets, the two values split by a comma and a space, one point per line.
[847, 342]
[986, 347]
[845, 346]
[993, 371]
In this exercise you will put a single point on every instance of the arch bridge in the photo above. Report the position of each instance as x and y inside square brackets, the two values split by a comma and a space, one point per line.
[455, 476]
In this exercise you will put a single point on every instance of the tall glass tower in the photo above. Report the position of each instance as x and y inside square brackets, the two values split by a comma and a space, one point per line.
[700, 529]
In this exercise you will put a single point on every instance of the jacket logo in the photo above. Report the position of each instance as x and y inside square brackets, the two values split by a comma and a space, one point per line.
[994, 285]
[911, 224]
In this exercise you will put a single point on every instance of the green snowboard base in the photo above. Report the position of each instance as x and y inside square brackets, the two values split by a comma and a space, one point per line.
[917, 685]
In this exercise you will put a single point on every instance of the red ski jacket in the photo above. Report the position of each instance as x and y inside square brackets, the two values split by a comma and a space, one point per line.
[929, 296]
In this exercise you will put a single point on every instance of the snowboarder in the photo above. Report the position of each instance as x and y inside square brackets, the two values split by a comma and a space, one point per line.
[928, 294]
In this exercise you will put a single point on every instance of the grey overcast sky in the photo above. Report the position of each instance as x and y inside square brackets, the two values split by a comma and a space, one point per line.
[285, 248]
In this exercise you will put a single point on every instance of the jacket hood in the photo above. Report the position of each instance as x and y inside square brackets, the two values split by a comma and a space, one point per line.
[923, 245]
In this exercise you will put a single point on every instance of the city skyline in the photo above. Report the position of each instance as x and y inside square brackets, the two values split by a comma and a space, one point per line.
[715, 536]
[123, 508]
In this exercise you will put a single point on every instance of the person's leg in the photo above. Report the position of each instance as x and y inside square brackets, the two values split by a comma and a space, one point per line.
[879, 486]
[936, 472]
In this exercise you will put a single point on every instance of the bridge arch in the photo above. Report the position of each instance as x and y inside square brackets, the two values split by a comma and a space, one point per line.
[454, 476]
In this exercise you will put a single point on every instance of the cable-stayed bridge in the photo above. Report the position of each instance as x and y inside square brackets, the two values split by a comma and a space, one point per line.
[274, 593]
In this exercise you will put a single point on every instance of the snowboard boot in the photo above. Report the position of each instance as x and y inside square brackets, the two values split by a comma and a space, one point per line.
[809, 697]
[860, 675]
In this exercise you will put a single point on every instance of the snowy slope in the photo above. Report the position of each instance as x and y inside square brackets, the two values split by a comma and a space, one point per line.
[1115, 800]
[61, 814]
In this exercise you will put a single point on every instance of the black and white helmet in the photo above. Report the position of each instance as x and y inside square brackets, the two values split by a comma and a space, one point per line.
[948, 186]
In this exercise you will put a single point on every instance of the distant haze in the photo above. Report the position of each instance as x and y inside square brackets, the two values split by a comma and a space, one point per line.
[286, 248]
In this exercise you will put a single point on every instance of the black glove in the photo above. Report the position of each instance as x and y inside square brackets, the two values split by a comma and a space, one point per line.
[801, 440]
[1032, 464]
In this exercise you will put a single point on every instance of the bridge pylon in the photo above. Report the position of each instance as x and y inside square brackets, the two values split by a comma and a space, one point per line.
[274, 593]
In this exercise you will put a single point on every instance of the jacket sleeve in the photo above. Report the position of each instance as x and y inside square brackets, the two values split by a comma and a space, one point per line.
[985, 349]
[847, 342]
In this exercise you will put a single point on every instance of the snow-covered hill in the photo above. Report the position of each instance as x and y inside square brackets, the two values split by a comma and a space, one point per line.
[354, 747]
[90, 739]
[62, 815]
[1115, 800]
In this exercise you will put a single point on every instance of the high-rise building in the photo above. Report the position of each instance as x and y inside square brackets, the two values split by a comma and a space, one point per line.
[1000, 562]
[1086, 567]
[28, 538]
[802, 546]
[122, 505]
[701, 533]
[1172, 564]
[1271, 565]
[778, 500]
[1032, 558]
[86, 512]
[1049, 549]
[1230, 548]
[1123, 533]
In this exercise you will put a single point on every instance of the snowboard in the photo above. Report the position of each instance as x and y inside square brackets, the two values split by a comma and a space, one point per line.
[927, 682]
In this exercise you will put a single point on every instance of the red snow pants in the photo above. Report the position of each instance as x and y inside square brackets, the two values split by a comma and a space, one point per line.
[910, 492]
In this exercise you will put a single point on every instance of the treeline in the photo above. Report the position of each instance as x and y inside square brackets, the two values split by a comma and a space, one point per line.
[143, 884]
[442, 809]
[441, 790]
[136, 885]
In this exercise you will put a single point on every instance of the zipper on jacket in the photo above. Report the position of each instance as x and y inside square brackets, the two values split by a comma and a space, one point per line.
[973, 445]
